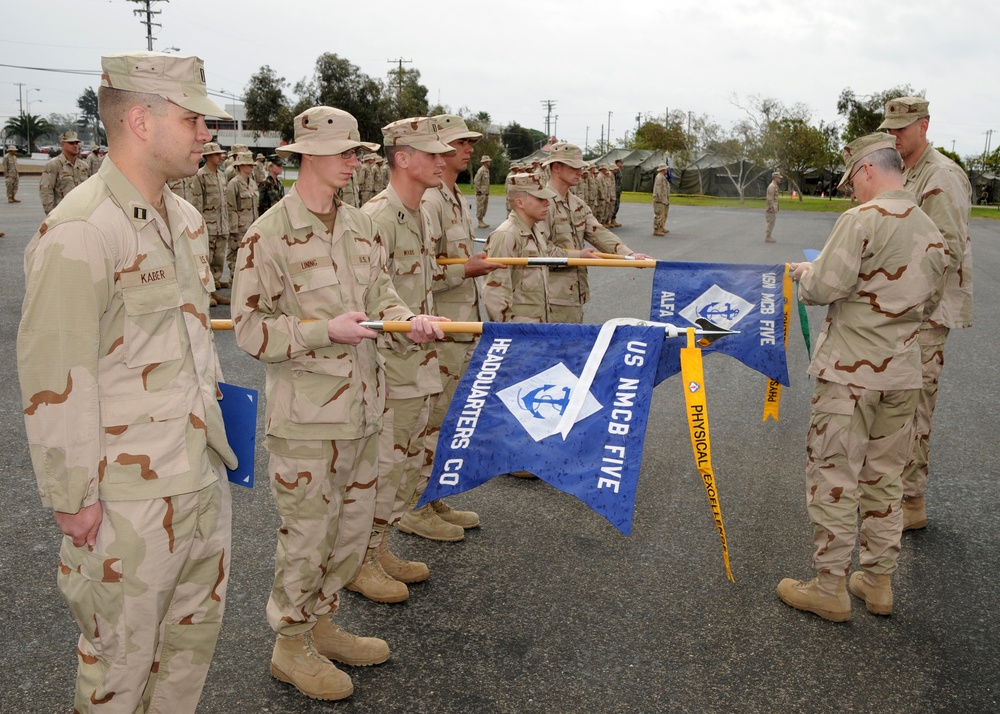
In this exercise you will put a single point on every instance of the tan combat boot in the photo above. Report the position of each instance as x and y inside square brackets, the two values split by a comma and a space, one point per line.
[483, 225]
[875, 590]
[825, 595]
[375, 584]
[334, 642]
[914, 513]
[219, 299]
[296, 661]
[466, 519]
[426, 523]
[405, 571]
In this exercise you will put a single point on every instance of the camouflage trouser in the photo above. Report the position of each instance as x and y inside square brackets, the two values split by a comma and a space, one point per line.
[325, 495]
[234, 247]
[618, 204]
[660, 211]
[12, 182]
[770, 217]
[857, 444]
[217, 246]
[482, 202]
[400, 454]
[566, 313]
[149, 600]
[932, 355]
[453, 359]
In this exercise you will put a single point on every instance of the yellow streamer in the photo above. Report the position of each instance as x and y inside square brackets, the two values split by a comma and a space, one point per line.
[772, 399]
[693, 377]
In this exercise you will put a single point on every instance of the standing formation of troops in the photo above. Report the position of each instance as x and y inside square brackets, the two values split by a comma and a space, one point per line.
[119, 372]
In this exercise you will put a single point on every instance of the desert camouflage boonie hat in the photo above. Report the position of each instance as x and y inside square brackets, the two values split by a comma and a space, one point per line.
[244, 158]
[486, 159]
[567, 154]
[902, 112]
[212, 148]
[530, 184]
[259, 157]
[419, 132]
[69, 137]
[324, 131]
[858, 149]
[180, 80]
[661, 167]
[452, 128]
[11, 148]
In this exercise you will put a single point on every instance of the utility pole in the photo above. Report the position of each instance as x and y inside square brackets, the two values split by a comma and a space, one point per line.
[146, 13]
[609, 129]
[399, 77]
[549, 105]
[586, 141]
[20, 101]
[986, 151]
[555, 128]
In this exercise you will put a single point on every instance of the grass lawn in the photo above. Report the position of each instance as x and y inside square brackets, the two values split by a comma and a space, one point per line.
[808, 203]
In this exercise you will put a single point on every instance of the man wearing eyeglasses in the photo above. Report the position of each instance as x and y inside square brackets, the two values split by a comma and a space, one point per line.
[944, 193]
[413, 149]
[881, 272]
[308, 273]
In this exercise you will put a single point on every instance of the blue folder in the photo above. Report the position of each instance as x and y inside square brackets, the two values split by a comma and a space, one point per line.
[239, 412]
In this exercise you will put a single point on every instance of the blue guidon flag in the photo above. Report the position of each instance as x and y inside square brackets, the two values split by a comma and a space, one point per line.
[739, 297]
[506, 411]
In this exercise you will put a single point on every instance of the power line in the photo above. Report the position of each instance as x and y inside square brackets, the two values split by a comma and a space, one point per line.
[148, 12]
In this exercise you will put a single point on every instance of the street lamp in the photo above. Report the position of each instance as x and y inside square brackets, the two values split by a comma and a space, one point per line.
[27, 119]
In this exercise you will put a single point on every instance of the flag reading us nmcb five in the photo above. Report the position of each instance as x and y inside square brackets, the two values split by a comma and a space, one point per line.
[520, 380]
[741, 297]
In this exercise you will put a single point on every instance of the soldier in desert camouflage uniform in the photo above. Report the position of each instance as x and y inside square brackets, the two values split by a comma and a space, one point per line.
[95, 159]
[570, 224]
[367, 179]
[241, 205]
[456, 296]
[183, 187]
[119, 380]
[208, 194]
[308, 272]
[882, 273]
[944, 193]
[481, 183]
[520, 294]
[229, 168]
[771, 207]
[10, 174]
[63, 173]
[259, 169]
[661, 200]
[413, 151]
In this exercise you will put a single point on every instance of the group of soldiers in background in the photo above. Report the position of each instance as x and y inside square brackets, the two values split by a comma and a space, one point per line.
[369, 179]
[600, 188]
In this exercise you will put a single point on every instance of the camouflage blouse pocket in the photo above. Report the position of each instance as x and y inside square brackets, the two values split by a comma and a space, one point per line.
[145, 437]
[152, 321]
[321, 391]
[93, 589]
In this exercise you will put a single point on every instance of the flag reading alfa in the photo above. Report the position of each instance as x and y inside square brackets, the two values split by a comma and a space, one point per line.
[518, 385]
[741, 297]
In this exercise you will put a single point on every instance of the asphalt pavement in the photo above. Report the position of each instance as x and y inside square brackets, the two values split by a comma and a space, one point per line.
[546, 607]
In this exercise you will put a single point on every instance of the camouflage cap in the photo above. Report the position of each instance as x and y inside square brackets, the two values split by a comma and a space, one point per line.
[212, 148]
[419, 132]
[858, 149]
[324, 131]
[567, 154]
[95, 147]
[452, 127]
[259, 157]
[530, 184]
[902, 112]
[661, 167]
[371, 157]
[275, 160]
[180, 80]
[244, 158]
[775, 174]
[69, 137]
[238, 149]
[11, 148]
[486, 159]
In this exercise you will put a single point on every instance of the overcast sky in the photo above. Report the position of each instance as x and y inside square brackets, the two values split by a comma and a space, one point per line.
[628, 57]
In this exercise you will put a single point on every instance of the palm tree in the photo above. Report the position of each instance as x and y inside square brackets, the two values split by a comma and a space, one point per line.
[28, 127]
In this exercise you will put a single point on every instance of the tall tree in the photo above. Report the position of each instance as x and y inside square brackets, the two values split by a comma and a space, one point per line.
[338, 83]
[865, 112]
[87, 103]
[408, 95]
[266, 105]
[800, 148]
[517, 140]
[29, 126]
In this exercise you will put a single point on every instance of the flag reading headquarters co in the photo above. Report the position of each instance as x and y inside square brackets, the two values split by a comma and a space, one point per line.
[504, 414]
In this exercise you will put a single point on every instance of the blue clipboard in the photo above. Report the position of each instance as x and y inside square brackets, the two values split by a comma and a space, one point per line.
[239, 412]
[810, 253]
